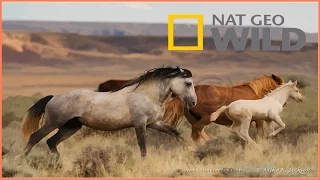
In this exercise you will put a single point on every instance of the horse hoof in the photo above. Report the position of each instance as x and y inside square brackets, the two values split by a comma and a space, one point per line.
[201, 155]
[143, 156]
[266, 152]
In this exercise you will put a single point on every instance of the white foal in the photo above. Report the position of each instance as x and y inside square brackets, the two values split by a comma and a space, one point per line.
[241, 112]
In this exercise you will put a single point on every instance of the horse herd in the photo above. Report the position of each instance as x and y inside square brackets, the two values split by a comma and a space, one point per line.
[157, 98]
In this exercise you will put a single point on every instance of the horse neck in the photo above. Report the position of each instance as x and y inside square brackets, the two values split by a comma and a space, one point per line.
[280, 95]
[158, 90]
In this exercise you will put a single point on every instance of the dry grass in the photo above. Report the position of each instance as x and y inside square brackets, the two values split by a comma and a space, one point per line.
[91, 153]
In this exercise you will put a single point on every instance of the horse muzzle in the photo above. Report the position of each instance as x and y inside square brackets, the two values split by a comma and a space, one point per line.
[190, 102]
[300, 99]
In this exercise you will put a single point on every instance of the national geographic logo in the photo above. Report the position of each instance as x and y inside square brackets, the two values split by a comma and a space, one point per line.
[239, 44]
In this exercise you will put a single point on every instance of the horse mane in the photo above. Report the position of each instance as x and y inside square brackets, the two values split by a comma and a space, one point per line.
[262, 85]
[174, 111]
[279, 88]
[158, 73]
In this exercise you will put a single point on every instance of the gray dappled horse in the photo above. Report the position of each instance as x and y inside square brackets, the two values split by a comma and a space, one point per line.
[139, 104]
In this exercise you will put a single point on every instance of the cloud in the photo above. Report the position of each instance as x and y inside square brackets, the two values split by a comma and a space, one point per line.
[139, 6]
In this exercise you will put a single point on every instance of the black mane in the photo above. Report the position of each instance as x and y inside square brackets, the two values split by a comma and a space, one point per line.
[159, 73]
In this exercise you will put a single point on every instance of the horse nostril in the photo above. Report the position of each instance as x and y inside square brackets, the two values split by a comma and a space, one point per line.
[193, 103]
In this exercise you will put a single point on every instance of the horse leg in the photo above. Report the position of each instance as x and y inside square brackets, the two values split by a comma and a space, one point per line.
[278, 120]
[235, 129]
[192, 119]
[140, 130]
[65, 131]
[259, 126]
[198, 128]
[244, 131]
[204, 135]
[38, 135]
[159, 126]
[270, 126]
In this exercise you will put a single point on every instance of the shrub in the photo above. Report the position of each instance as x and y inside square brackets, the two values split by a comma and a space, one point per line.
[92, 162]
[46, 161]
[18, 105]
[7, 172]
[8, 118]
[302, 82]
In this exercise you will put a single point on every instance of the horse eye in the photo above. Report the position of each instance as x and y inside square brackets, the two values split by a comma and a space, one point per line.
[188, 84]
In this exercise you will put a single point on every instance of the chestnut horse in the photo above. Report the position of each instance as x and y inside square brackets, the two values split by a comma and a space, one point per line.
[211, 98]
[111, 85]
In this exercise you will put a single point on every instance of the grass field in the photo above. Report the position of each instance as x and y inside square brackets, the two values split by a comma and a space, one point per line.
[91, 153]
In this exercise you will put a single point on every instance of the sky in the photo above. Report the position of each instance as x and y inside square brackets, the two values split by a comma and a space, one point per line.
[298, 15]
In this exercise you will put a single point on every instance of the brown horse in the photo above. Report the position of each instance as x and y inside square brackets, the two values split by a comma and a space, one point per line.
[211, 98]
[112, 85]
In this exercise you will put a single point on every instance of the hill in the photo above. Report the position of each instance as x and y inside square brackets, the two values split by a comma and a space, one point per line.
[127, 29]
[73, 60]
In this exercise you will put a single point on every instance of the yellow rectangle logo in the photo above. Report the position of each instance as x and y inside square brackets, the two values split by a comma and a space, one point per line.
[171, 46]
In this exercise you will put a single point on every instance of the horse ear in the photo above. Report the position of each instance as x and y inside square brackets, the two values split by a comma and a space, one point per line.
[296, 83]
[277, 79]
[181, 70]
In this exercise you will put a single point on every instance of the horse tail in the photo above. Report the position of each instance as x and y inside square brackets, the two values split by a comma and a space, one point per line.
[217, 113]
[174, 111]
[33, 116]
